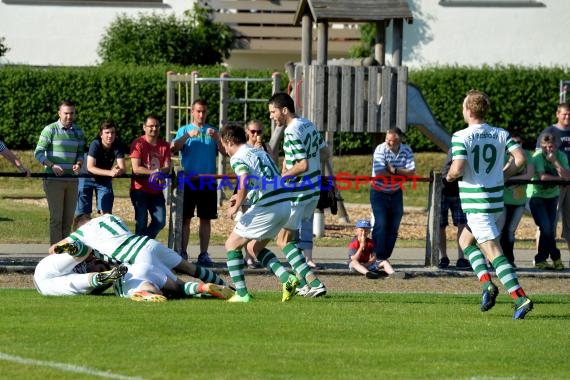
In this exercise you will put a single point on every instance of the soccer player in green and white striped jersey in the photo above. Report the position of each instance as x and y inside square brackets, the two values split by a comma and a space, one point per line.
[304, 150]
[478, 156]
[258, 181]
[109, 236]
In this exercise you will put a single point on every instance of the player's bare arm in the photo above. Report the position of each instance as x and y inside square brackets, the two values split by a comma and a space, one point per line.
[456, 170]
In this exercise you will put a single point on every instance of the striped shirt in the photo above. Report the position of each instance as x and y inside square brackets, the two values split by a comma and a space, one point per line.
[383, 156]
[483, 147]
[302, 141]
[264, 181]
[62, 146]
[109, 235]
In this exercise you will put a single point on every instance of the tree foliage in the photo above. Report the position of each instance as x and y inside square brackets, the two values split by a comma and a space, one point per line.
[154, 39]
[3, 47]
[367, 40]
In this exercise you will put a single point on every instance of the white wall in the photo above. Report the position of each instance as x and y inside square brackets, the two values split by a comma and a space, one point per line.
[533, 36]
[63, 35]
[68, 35]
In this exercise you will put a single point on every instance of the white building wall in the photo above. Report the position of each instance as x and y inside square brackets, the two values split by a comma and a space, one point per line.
[64, 34]
[69, 35]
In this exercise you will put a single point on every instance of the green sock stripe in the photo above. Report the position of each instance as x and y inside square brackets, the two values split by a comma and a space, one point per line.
[270, 261]
[207, 275]
[94, 282]
[506, 273]
[297, 261]
[236, 266]
[477, 260]
[191, 288]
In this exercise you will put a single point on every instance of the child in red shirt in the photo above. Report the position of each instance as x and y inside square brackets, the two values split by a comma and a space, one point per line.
[361, 254]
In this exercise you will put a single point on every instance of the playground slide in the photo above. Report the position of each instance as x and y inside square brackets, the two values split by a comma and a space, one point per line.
[420, 115]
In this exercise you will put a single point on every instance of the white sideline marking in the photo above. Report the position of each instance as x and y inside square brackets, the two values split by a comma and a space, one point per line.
[65, 367]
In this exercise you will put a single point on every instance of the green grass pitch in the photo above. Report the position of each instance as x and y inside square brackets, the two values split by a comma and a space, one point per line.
[341, 336]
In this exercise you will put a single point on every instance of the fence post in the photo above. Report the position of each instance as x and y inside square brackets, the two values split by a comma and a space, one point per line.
[176, 212]
[433, 234]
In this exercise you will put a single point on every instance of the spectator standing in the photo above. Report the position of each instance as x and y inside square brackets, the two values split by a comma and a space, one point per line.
[14, 160]
[105, 160]
[198, 143]
[60, 150]
[151, 162]
[550, 165]
[561, 132]
[361, 256]
[515, 201]
[304, 150]
[477, 153]
[450, 202]
[391, 158]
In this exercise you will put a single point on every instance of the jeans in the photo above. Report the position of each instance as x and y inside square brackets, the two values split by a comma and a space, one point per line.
[103, 191]
[145, 204]
[544, 214]
[388, 209]
[513, 215]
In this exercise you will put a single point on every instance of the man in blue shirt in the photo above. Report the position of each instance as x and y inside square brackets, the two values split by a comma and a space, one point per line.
[199, 144]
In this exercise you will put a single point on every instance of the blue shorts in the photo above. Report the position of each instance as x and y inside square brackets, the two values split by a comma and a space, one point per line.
[454, 205]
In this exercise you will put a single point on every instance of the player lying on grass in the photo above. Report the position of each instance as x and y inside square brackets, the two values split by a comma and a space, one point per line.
[109, 237]
[258, 180]
[65, 275]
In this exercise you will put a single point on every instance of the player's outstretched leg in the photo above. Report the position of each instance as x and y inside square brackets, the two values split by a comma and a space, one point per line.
[311, 286]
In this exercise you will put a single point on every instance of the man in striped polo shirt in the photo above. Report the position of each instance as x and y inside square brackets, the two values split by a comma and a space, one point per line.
[60, 150]
[392, 159]
[478, 156]
[258, 182]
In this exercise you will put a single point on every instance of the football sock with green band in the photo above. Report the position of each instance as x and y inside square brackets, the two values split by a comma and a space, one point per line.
[478, 264]
[235, 268]
[207, 275]
[94, 281]
[270, 261]
[508, 277]
[192, 288]
[297, 260]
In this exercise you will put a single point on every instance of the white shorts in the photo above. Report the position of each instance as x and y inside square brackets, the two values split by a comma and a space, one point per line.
[261, 223]
[303, 210]
[140, 273]
[54, 276]
[485, 227]
[157, 254]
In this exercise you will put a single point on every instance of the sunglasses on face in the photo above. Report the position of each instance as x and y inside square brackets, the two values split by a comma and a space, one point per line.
[255, 131]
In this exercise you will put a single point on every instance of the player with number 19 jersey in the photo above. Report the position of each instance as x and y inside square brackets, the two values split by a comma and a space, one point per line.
[303, 141]
[483, 147]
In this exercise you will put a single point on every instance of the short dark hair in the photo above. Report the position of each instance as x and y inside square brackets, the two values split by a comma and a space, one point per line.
[201, 102]
[233, 133]
[66, 103]
[282, 100]
[108, 124]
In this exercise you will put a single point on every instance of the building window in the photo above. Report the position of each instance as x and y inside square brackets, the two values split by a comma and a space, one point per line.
[491, 3]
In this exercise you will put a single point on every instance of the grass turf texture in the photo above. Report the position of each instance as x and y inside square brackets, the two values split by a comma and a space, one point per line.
[346, 335]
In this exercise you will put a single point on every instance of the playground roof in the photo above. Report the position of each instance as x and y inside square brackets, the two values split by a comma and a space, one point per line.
[353, 10]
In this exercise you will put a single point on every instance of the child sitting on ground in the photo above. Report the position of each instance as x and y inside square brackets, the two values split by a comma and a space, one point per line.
[361, 254]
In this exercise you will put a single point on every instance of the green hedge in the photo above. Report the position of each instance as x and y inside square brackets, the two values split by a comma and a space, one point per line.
[523, 99]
